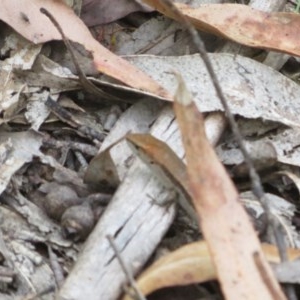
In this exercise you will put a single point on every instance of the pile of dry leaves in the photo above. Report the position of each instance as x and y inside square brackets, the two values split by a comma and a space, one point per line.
[120, 158]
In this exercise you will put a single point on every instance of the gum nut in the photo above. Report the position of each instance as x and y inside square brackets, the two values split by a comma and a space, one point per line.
[58, 200]
[77, 222]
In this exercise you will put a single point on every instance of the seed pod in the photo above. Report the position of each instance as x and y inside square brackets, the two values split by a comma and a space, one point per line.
[77, 222]
[59, 199]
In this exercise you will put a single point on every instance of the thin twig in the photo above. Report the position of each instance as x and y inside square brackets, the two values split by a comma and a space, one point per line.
[56, 267]
[77, 146]
[137, 293]
[88, 85]
[257, 187]
[65, 116]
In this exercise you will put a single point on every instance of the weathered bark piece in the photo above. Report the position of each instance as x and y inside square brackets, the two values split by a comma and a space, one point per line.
[136, 223]
[131, 218]
[137, 119]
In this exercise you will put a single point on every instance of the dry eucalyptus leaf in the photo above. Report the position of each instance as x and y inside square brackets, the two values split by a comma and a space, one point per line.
[252, 89]
[215, 199]
[192, 264]
[189, 264]
[31, 23]
[48, 73]
[242, 24]
[157, 155]
[166, 165]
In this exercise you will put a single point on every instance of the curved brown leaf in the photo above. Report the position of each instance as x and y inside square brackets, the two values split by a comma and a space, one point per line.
[167, 166]
[191, 264]
[27, 20]
[233, 244]
[242, 24]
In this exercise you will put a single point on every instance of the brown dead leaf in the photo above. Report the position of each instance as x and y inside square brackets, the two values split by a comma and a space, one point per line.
[226, 227]
[242, 24]
[158, 154]
[27, 20]
[166, 165]
[102, 172]
[191, 264]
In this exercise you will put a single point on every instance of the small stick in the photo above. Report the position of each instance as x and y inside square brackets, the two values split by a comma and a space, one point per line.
[65, 116]
[56, 267]
[77, 146]
[137, 293]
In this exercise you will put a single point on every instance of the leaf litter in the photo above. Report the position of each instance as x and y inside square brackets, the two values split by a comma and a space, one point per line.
[55, 138]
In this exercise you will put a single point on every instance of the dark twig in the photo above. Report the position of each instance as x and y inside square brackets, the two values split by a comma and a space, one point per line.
[65, 116]
[136, 292]
[257, 187]
[56, 268]
[88, 85]
[76, 146]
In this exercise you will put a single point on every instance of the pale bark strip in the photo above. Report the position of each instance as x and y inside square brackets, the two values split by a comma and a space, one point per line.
[136, 223]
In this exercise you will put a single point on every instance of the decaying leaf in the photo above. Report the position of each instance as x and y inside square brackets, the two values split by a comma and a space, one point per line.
[191, 264]
[282, 210]
[46, 72]
[18, 237]
[165, 164]
[252, 89]
[242, 24]
[37, 112]
[102, 172]
[137, 118]
[22, 57]
[16, 149]
[226, 227]
[36, 27]
[284, 140]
